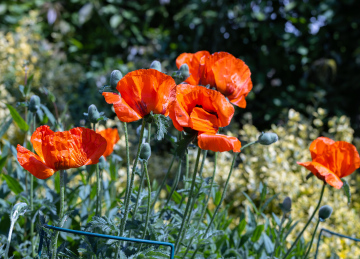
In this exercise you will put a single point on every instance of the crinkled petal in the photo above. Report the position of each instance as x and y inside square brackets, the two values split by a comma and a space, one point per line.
[206, 64]
[203, 121]
[37, 137]
[123, 111]
[232, 79]
[218, 142]
[323, 173]
[74, 148]
[33, 163]
[320, 146]
[193, 61]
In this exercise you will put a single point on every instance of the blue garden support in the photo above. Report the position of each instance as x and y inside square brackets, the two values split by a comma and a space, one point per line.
[332, 233]
[144, 241]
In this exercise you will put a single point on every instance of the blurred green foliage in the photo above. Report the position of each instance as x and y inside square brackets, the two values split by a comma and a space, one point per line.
[300, 52]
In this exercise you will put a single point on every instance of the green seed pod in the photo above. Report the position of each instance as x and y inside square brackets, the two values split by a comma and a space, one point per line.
[145, 152]
[268, 138]
[156, 65]
[286, 205]
[115, 77]
[325, 212]
[93, 114]
[34, 103]
[184, 70]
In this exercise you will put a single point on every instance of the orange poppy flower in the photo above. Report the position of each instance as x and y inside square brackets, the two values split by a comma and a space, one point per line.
[112, 137]
[60, 150]
[193, 61]
[141, 92]
[229, 75]
[205, 111]
[332, 160]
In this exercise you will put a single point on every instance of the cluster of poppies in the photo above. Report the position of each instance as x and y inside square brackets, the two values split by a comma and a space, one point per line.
[202, 104]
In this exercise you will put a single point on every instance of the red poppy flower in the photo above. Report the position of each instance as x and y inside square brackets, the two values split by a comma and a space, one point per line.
[60, 150]
[332, 160]
[229, 75]
[193, 61]
[141, 92]
[112, 137]
[205, 111]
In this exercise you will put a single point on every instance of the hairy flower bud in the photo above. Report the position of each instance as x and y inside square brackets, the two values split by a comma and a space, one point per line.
[286, 205]
[34, 103]
[184, 71]
[145, 152]
[93, 114]
[156, 65]
[268, 138]
[19, 209]
[325, 212]
[115, 77]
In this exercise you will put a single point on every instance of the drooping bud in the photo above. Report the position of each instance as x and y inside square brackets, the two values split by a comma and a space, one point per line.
[156, 65]
[268, 138]
[184, 71]
[93, 114]
[145, 152]
[286, 205]
[115, 77]
[34, 103]
[325, 212]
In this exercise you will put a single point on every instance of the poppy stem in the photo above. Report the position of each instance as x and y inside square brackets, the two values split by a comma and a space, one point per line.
[180, 236]
[312, 240]
[127, 168]
[302, 231]
[186, 177]
[127, 199]
[223, 194]
[62, 211]
[32, 200]
[149, 199]
[98, 183]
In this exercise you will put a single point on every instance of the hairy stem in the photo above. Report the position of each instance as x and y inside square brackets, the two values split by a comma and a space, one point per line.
[62, 207]
[312, 240]
[149, 200]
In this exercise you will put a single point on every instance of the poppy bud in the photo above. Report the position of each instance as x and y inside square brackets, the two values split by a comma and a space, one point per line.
[145, 152]
[184, 71]
[156, 65]
[115, 78]
[268, 138]
[102, 163]
[325, 212]
[286, 205]
[93, 114]
[34, 103]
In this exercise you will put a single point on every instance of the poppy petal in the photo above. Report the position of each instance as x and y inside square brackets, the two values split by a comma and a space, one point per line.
[72, 149]
[206, 64]
[218, 142]
[320, 146]
[33, 163]
[37, 136]
[203, 121]
[344, 158]
[323, 173]
[232, 79]
[112, 137]
[123, 111]
[193, 61]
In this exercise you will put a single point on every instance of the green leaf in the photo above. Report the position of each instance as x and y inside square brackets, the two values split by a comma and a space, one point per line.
[181, 146]
[346, 189]
[176, 196]
[13, 184]
[217, 198]
[277, 220]
[5, 127]
[22, 88]
[267, 202]
[241, 227]
[161, 123]
[257, 233]
[2, 162]
[251, 202]
[48, 114]
[17, 118]
[269, 246]
[115, 20]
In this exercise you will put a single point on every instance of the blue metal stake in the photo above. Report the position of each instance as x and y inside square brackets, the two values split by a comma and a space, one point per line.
[151, 242]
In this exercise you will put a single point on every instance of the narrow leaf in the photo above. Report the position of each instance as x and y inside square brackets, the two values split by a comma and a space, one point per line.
[17, 118]
[13, 184]
[257, 233]
[5, 127]
[346, 189]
